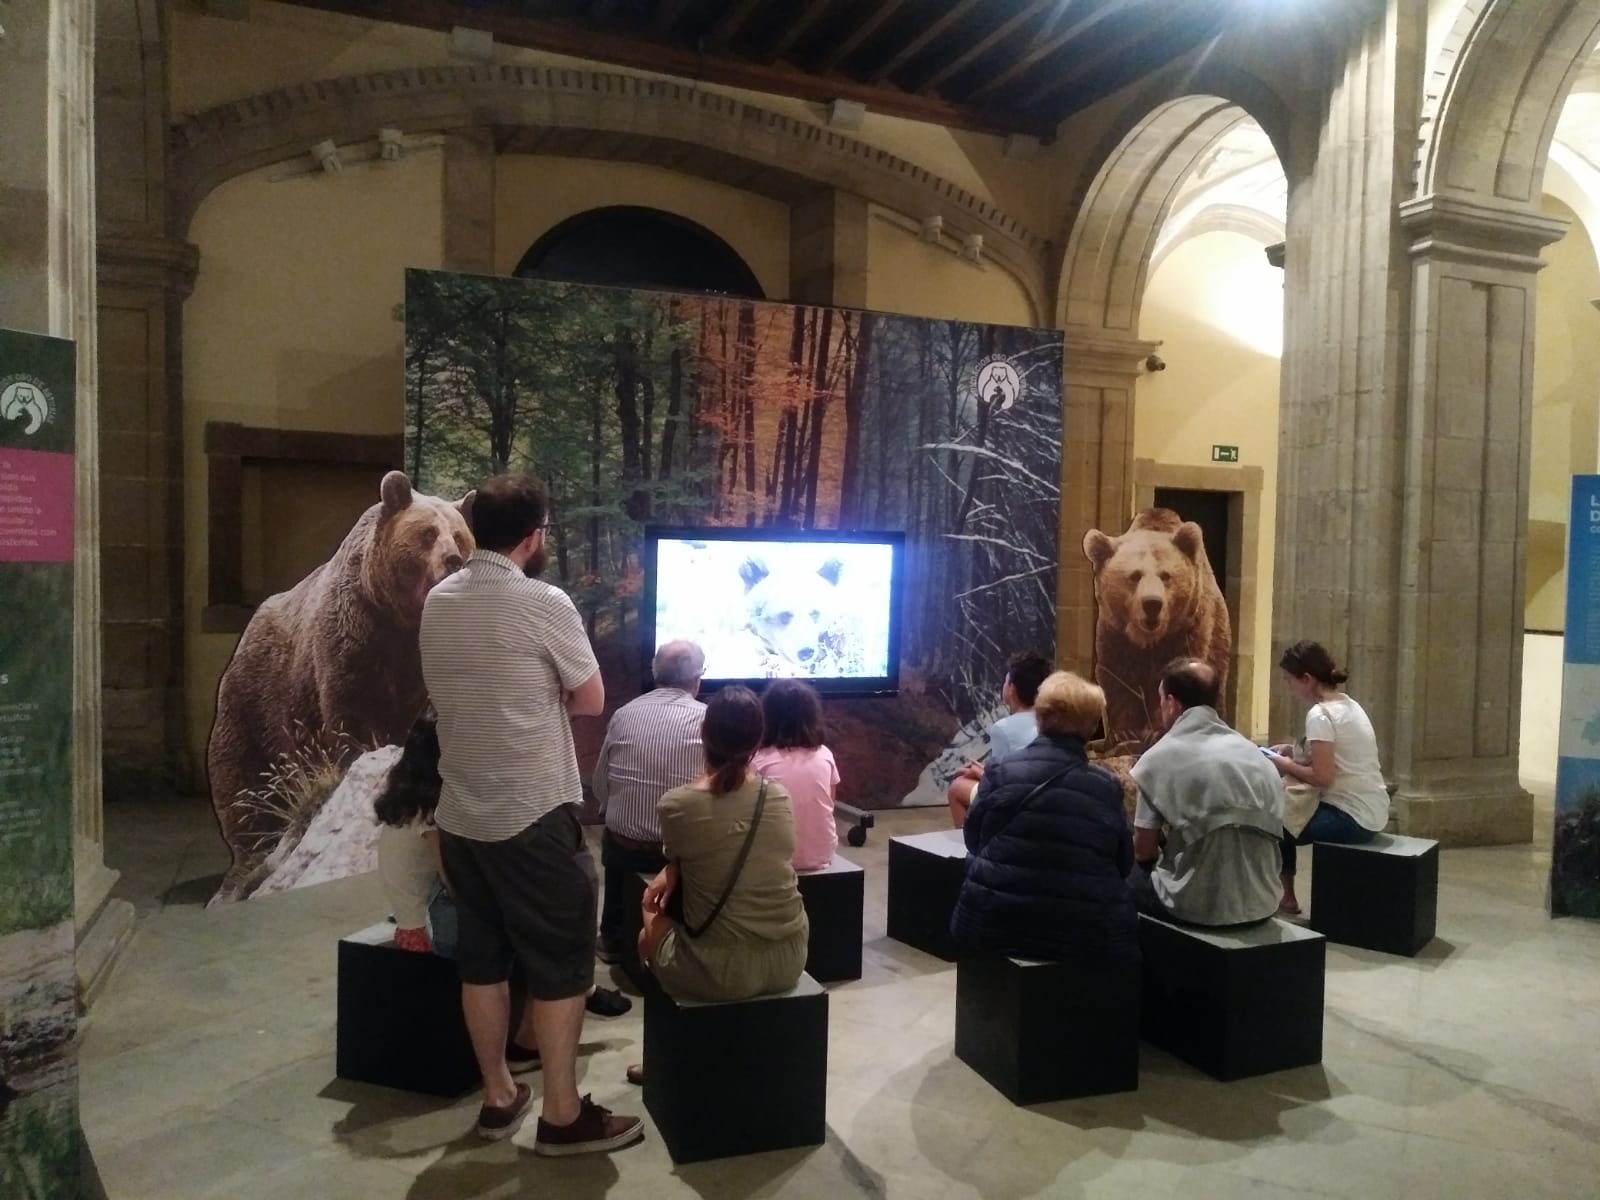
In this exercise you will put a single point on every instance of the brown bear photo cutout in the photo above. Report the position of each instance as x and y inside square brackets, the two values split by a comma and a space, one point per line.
[1156, 599]
[326, 672]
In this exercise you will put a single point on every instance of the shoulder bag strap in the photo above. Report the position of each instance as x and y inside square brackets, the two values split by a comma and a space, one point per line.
[1028, 799]
[738, 866]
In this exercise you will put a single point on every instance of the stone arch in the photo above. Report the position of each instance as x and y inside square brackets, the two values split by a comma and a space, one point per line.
[1505, 71]
[1242, 219]
[597, 114]
[628, 245]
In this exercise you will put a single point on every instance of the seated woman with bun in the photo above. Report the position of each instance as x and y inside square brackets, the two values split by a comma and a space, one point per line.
[1048, 844]
[1340, 760]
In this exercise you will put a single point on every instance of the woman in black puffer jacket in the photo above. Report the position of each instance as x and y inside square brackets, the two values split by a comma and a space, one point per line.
[1048, 844]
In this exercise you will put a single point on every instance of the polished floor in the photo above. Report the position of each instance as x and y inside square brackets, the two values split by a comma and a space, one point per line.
[1471, 1071]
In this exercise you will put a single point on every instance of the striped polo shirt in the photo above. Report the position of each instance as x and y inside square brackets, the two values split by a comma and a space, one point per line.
[652, 746]
[498, 652]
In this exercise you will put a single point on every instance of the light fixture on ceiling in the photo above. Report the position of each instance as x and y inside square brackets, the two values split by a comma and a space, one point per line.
[391, 145]
[932, 228]
[972, 248]
[326, 155]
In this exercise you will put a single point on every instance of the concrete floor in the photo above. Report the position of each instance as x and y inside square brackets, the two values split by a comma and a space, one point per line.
[1471, 1071]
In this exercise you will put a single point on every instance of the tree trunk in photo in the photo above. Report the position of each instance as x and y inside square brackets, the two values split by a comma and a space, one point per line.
[419, 409]
[647, 387]
[626, 366]
[503, 412]
[747, 376]
[819, 416]
[854, 398]
[669, 430]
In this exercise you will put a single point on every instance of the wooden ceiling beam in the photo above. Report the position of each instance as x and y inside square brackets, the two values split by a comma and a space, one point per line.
[666, 16]
[1103, 55]
[985, 44]
[732, 21]
[885, 10]
[585, 42]
[957, 10]
[1048, 47]
[797, 29]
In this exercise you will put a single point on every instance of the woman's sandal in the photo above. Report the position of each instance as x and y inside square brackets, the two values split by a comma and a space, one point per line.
[635, 1075]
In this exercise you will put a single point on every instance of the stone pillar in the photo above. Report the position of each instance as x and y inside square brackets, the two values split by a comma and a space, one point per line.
[1465, 518]
[1102, 371]
[828, 250]
[469, 184]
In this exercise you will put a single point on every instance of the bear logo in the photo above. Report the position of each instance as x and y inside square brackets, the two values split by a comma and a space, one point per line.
[325, 672]
[789, 611]
[1156, 600]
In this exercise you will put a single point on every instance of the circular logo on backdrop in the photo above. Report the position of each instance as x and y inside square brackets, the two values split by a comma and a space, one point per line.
[999, 384]
[25, 401]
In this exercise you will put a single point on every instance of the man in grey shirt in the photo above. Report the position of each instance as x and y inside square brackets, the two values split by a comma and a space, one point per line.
[1219, 802]
[652, 746]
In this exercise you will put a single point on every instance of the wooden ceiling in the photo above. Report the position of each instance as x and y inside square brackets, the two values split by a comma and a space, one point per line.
[996, 65]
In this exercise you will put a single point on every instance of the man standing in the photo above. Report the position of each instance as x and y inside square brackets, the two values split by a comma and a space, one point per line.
[506, 660]
[652, 746]
[1011, 732]
[1221, 804]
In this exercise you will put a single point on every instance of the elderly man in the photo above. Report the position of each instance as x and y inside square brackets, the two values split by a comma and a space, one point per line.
[652, 746]
[1221, 805]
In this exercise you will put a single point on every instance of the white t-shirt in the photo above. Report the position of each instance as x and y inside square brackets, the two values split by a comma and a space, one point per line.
[1358, 787]
[1011, 733]
[406, 868]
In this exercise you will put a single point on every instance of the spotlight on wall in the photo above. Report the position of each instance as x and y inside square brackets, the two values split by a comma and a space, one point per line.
[1155, 363]
[848, 115]
[326, 155]
[972, 248]
[391, 145]
[476, 44]
[932, 228]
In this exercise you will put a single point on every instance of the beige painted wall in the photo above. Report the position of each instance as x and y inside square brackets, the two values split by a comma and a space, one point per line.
[1216, 305]
[534, 194]
[1566, 403]
[291, 325]
[907, 275]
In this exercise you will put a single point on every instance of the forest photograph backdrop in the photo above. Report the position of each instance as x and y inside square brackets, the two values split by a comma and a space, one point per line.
[644, 407]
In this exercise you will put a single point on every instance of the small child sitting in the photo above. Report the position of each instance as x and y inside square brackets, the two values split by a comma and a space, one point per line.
[408, 846]
[793, 754]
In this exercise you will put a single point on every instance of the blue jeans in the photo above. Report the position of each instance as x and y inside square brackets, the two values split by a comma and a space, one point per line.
[1327, 824]
[442, 922]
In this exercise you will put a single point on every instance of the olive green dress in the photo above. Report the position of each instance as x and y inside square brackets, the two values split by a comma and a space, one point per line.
[757, 944]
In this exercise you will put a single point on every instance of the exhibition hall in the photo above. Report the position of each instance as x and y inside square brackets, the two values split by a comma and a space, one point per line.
[732, 598]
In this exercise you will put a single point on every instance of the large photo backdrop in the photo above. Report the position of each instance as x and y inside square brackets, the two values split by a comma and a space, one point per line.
[642, 407]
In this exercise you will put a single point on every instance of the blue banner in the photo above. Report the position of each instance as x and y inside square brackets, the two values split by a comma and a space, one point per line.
[1575, 848]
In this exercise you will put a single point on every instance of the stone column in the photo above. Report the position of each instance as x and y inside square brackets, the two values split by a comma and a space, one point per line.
[469, 185]
[1102, 371]
[828, 250]
[1465, 518]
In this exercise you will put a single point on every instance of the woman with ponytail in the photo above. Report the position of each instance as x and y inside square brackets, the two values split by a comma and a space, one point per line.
[723, 919]
[1338, 758]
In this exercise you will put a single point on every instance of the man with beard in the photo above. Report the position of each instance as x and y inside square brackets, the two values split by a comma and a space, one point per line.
[506, 661]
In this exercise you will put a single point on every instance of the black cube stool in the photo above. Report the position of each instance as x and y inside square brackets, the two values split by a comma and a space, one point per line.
[1381, 896]
[1048, 1031]
[1234, 1001]
[400, 1022]
[925, 873]
[834, 897]
[739, 1077]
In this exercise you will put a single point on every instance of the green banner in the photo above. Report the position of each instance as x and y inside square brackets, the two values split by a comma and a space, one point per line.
[38, 1017]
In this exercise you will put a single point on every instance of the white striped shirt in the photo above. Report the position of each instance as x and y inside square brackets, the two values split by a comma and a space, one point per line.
[652, 746]
[498, 652]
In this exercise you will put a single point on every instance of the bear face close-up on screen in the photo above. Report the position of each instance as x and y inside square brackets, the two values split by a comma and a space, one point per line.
[1156, 599]
[328, 670]
[790, 608]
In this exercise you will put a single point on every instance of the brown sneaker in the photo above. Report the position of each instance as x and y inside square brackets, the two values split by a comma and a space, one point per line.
[495, 1122]
[595, 1130]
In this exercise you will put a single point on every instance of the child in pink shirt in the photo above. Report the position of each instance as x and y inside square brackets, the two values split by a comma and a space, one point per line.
[793, 754]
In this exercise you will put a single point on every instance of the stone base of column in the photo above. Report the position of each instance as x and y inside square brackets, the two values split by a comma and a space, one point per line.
[1486, 817]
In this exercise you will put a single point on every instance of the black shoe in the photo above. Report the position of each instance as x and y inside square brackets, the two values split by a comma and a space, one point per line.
[608, 1002]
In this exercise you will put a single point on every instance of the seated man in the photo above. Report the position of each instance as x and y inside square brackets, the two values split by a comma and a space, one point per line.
[1011, 732]
[652, 746]
[1220, 804]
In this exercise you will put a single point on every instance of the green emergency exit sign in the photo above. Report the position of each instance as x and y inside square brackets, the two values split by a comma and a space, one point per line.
[1224, 454]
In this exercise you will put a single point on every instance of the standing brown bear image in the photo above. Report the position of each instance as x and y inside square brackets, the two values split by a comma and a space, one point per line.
[327, 670]
[1156, 600]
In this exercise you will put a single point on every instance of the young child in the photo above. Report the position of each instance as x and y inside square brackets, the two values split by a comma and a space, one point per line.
[793, 754]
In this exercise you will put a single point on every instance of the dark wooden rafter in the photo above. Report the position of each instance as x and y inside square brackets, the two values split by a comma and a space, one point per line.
[666, 16]
[985, 44]
[732, 21]
[957, 10]
[842, 51]
[797, 27]
[1048, 47]
[1101, 55]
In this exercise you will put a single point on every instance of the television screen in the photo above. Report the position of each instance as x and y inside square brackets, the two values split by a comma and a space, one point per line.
[818, 605]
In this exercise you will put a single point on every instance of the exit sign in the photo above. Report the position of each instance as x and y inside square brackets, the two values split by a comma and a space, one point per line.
[1224, 454]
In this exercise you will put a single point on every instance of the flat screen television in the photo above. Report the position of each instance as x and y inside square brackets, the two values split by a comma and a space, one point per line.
[818, 605]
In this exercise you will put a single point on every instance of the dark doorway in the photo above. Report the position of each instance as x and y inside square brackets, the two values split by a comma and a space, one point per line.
[631, 246]
[1220, 516]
